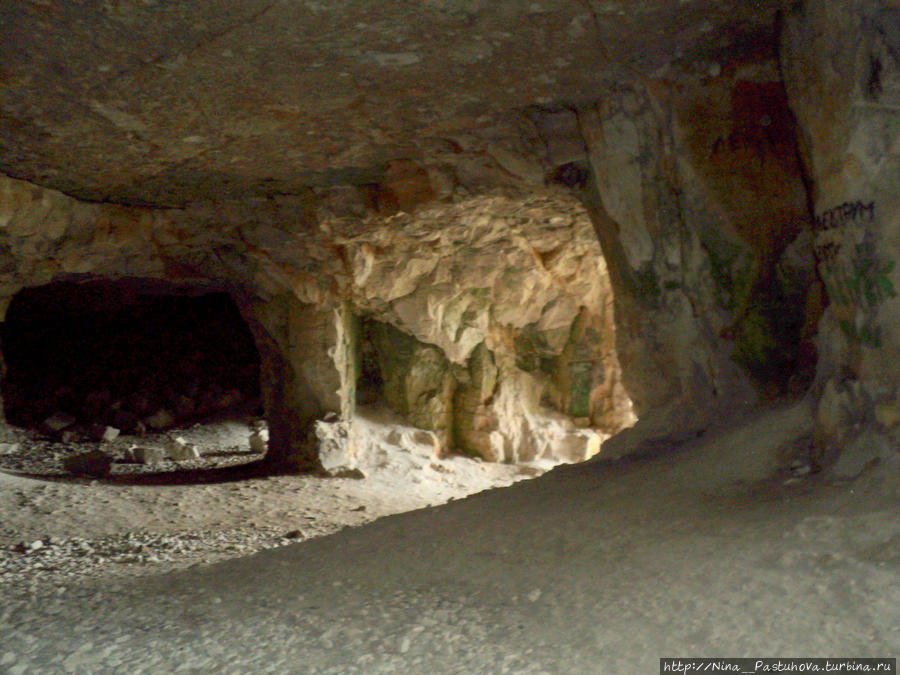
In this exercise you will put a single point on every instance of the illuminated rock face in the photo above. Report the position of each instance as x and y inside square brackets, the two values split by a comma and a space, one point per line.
[488, 322]
[509, 221]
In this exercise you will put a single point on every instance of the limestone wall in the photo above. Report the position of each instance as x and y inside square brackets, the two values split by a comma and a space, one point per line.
[492, 316]
[696, 235]
[693, 182]
[46, 236]
[842, 72]
[501, 317]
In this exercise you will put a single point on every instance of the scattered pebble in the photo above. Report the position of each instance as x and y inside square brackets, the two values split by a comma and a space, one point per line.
[71, 557]
[32, 452]
[32, 561]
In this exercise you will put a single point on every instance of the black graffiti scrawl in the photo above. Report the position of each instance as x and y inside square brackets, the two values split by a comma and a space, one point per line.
[858, 279]
[845, 214]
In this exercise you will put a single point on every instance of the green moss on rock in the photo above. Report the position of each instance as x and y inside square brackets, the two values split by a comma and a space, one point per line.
[731, 267]
[418, 379]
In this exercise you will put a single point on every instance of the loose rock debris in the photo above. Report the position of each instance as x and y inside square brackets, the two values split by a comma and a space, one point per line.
[79, 510]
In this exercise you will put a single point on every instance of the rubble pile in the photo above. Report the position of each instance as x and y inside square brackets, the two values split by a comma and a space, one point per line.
[189, 448]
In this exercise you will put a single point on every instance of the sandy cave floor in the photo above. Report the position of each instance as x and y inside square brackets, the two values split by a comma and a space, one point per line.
[159, 518]
[591, 568]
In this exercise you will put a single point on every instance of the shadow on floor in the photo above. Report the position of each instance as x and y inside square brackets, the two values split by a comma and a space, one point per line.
[256, 469]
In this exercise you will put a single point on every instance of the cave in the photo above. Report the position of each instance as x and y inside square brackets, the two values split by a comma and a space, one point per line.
[651, 244]
[132, 354]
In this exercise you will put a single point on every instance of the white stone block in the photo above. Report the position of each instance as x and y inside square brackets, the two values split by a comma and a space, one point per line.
[180, 450]
[110, 434]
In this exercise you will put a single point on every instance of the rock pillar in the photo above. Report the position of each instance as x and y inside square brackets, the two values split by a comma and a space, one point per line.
[842, 73]
[306, 361]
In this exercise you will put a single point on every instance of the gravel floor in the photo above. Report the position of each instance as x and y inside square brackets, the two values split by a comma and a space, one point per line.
[145, 520]
[593, 568]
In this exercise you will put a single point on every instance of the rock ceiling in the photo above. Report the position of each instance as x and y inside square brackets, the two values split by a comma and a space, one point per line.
[164, 103]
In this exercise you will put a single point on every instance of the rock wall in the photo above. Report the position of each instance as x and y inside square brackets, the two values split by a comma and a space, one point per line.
[742, 190]
[299, 379]
[46, 236]
[491, 317]
[694, 186]
[492, 321]
[841, 64]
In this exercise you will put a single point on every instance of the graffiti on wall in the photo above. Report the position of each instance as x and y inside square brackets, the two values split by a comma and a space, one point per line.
[863, 280]
[845, 214]
[839, 218]
[855, 275]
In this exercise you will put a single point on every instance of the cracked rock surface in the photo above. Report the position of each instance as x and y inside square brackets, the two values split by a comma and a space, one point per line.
[157, 104]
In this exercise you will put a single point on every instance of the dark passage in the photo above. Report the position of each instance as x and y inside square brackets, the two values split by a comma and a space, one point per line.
[132, 354]
[370, 383]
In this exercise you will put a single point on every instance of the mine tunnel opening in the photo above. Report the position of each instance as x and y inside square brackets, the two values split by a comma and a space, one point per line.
[133, 354]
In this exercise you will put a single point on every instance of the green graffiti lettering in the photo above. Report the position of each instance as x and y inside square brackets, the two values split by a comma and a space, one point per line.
[862, 282]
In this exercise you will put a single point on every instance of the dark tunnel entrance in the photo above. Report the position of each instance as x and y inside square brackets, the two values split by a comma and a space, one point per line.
[134, 354]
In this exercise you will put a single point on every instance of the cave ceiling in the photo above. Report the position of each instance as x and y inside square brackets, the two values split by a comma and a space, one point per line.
[165, 103]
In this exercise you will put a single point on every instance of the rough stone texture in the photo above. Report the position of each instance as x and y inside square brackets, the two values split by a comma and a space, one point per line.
[337, 447]
[848, 109]
[417, 380]
[508, 273]
[474, 421]
[163, 105]
[47, 235]
[507, 290]
[299, 381]
[418, 167]
[710, 296]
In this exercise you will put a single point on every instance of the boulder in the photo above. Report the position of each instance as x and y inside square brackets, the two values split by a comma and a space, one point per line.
[180, 450]
[337, 451]
[103, 433]
[110, 434]
[59, 421]
[161, 419]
